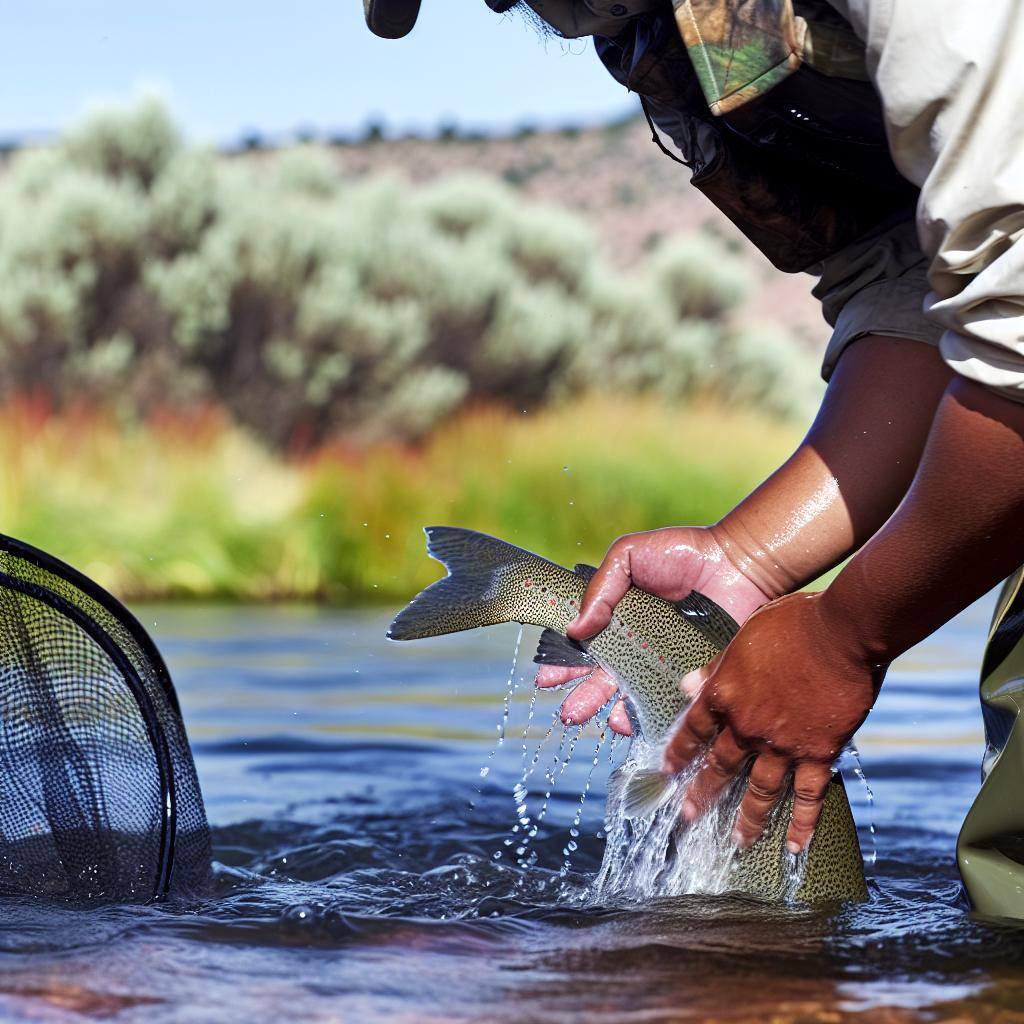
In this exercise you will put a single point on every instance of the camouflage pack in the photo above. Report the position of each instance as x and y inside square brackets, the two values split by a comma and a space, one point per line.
[742, 48]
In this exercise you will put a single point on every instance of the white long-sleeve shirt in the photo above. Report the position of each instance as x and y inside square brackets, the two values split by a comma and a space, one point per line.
[950, 74]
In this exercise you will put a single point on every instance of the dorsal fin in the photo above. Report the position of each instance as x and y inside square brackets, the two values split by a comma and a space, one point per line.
[710, 618]
[584, 570]
[556, 649]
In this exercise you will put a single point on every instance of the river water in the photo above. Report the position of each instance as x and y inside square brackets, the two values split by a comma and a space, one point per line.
[367, 871]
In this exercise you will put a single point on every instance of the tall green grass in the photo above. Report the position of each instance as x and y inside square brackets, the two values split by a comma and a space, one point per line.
[191, 506]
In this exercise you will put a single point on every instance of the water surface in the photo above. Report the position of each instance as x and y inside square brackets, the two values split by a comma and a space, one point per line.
[367, 871]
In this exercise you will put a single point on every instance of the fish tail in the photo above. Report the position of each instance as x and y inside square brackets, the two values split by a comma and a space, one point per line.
[471, 595]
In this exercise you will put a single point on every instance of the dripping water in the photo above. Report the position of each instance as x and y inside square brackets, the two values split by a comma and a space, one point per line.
[511, 685]
[869, 798]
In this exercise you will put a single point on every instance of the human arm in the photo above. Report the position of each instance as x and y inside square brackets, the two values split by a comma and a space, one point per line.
[802, 674]
[839, 486]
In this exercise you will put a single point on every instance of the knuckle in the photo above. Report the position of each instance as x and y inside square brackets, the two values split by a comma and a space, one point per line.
[750, 821]
[809, 791]
[716, 766]
[619, 548]
[762, 792]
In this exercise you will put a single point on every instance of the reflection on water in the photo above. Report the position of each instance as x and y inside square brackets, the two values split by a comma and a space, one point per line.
[358, 879]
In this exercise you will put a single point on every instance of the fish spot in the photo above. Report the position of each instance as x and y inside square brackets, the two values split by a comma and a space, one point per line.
[644, 644]
[527, 583]
[552, 601]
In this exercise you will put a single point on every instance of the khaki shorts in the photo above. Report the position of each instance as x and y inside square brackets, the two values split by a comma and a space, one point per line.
[875, 286]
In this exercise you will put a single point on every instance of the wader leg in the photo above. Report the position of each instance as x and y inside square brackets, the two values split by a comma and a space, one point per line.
[990, 848]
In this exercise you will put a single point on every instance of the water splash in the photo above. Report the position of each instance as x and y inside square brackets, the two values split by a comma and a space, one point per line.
[571, 844]
[660, 855]
[853, 754]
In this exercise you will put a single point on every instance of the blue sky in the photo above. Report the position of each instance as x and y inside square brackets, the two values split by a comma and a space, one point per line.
[227, 67]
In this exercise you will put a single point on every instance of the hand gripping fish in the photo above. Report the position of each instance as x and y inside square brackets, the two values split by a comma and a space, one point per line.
[647, 647]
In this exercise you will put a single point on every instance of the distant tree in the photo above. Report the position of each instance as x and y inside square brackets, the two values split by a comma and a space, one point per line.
[448, 131]
[251, 141]
[374, 131]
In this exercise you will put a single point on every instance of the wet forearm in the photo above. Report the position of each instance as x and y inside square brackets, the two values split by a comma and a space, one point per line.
[850, 472]
[959, 531]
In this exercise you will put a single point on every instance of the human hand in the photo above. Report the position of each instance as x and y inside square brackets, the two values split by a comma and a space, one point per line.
[669, 563]
[787, 695]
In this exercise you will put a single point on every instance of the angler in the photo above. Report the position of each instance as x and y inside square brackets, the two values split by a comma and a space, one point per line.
[878, 145]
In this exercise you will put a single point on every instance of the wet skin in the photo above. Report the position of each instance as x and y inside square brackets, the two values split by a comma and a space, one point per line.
[803, 672]
[839, 487]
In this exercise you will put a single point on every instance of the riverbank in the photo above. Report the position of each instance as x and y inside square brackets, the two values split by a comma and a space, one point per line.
[193, 507]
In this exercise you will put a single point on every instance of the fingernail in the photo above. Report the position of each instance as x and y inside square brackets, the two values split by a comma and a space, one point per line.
[690, 684]
[793, 848]
[689, 810]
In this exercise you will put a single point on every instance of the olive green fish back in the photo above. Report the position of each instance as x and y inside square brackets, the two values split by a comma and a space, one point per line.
[489, 581]
[835, 868]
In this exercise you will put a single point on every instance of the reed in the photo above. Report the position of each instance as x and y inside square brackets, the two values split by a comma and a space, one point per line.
[191, 506]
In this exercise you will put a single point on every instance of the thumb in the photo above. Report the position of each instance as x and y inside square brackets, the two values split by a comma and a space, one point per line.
[610, 583]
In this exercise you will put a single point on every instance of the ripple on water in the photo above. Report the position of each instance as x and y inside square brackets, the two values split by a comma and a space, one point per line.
[356, 876]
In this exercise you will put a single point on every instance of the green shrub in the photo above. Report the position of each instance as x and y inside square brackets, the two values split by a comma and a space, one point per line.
[135, 269]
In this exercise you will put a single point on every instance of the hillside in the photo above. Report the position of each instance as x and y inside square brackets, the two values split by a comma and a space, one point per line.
[617, 178]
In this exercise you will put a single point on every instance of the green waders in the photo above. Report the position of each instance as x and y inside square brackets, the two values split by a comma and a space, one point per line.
[990, 849]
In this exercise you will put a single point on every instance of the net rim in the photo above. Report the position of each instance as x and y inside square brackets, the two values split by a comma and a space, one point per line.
[168, 796]
[49, 563]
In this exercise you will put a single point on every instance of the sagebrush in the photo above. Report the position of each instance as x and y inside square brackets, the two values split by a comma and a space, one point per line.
[139, 271]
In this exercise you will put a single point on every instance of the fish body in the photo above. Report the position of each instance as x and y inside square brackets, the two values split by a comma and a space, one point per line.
[648, 646]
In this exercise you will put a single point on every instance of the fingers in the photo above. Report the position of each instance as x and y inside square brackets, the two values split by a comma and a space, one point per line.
[765, 784]
[722, 764]
[810, 783]
[694, 732]
[586, 699]
[619, 720]
[603, 593]
[560, 675]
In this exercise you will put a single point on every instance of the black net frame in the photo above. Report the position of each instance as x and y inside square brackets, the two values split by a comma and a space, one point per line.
[138, 666]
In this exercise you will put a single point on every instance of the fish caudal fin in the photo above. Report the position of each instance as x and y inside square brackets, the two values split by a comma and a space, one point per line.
[470, 595]
[639, 793]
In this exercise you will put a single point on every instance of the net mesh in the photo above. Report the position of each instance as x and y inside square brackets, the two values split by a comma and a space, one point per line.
[99, 798]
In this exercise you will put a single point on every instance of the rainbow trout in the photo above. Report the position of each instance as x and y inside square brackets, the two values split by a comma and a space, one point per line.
[648, 646]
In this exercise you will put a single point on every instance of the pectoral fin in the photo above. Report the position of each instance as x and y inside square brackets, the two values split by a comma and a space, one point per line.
[711, 619]
[557, 649]
[639, 793]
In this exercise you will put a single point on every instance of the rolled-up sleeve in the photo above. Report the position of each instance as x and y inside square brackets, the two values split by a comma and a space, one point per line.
[951, 78]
